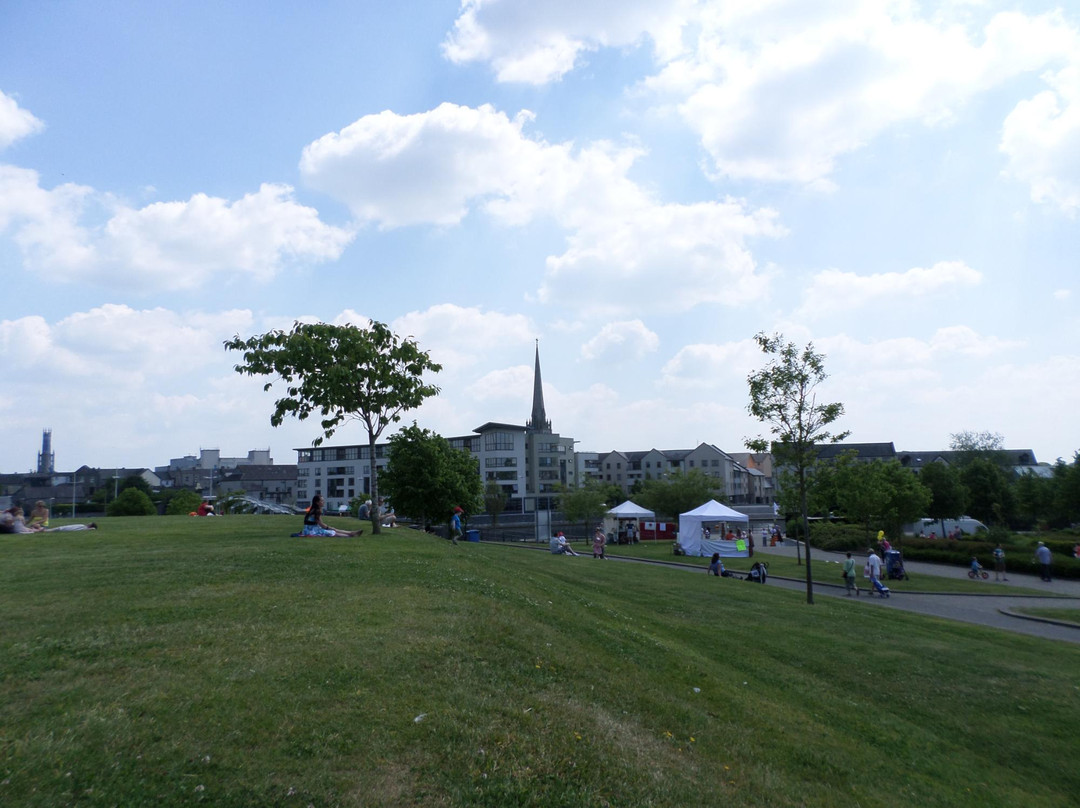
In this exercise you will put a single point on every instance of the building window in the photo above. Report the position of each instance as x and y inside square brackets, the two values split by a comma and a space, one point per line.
[352, 452]
[498, 441]
[499, 462]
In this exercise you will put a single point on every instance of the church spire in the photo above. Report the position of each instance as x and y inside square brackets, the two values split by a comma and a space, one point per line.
[539, 421]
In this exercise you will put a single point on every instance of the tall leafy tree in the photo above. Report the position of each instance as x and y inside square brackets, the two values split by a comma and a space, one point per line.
[584, 504]
[783, 395]
[860, 489]
[341, 373]
[990, 496]
[679, 492]
[1066, 491]
[973, 444]
[426, 478]
[905, 498]
[948, 497]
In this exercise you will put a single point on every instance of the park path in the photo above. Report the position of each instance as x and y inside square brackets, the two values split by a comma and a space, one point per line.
[996, 608]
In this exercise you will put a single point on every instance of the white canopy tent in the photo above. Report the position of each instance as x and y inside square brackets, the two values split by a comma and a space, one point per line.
[629, 510]
[715, 516]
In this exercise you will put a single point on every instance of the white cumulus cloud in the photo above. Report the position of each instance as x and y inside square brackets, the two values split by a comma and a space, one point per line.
[15, 122]
[165, 245]
[434, 167]
[834, 290]
[621, 341]
[536, 43]
[1041, 140]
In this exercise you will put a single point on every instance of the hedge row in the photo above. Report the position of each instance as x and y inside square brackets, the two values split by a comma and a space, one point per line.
[1019, 550]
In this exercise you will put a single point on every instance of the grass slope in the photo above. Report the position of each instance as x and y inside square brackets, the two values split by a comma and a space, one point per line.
[172, 661]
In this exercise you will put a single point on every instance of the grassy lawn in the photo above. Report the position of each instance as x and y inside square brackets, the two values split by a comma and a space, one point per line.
[824, 572]
[172, 661]
[1071, 615]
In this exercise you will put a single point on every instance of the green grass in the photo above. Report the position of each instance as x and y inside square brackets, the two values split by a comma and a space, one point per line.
[1069, 615]
[824, 571]
[171, 661]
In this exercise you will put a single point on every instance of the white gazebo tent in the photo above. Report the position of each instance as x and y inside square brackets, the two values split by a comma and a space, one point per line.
[713, 515]
[629, 511]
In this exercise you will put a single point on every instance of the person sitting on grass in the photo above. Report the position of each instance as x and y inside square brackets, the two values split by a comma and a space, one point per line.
[716, 566]
[560, 546]
[39, 517]
[314, 525]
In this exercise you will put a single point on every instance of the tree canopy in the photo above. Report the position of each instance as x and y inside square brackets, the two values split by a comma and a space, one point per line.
[584, 504]
[426, 478]
[183, 501]
[948, 497]
[783, 395]
[131, 502]
[679, 492]
[341, 373]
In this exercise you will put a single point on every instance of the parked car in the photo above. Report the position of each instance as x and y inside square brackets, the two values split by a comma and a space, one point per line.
[968, 525]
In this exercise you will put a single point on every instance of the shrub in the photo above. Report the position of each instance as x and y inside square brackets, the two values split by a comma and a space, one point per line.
[183, 502]
[838, 536]
[131, 502]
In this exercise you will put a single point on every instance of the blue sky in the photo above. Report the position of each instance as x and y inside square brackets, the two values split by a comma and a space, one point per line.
[897, 182]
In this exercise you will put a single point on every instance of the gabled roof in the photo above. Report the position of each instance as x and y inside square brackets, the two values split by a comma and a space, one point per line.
[1009, 457]
[865, 451]
[675, 454]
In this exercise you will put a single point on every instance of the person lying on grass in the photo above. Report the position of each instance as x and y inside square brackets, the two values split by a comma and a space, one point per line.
[13, 521]
[314, 525]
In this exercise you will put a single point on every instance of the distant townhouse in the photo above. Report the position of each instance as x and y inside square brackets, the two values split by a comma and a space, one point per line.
[739, 484]
[268, 483]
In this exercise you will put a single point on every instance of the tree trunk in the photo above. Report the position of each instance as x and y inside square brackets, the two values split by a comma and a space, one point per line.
[806, 533]
[376, 520]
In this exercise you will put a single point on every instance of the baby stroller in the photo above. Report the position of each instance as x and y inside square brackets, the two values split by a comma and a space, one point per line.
[894, 566]
[758, 573]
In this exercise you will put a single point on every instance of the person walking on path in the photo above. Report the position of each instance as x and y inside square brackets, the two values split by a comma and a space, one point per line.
[872, 570]
[598, 541]
[849, 576]
[999, 563]
[1042, 555]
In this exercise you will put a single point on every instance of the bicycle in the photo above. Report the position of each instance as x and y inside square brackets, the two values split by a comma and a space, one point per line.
[980, 573]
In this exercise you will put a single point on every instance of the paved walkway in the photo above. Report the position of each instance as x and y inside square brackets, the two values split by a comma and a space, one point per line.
[990, 609]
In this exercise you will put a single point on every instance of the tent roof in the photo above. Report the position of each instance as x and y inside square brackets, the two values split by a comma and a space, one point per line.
[628, 510]
[714, 510]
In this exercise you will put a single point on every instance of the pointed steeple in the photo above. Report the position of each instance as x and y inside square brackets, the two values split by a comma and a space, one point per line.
[539, 421]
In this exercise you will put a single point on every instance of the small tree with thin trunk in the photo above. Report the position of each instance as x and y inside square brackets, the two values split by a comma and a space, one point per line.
[783, 395]
[495, 499]
[342, 373]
